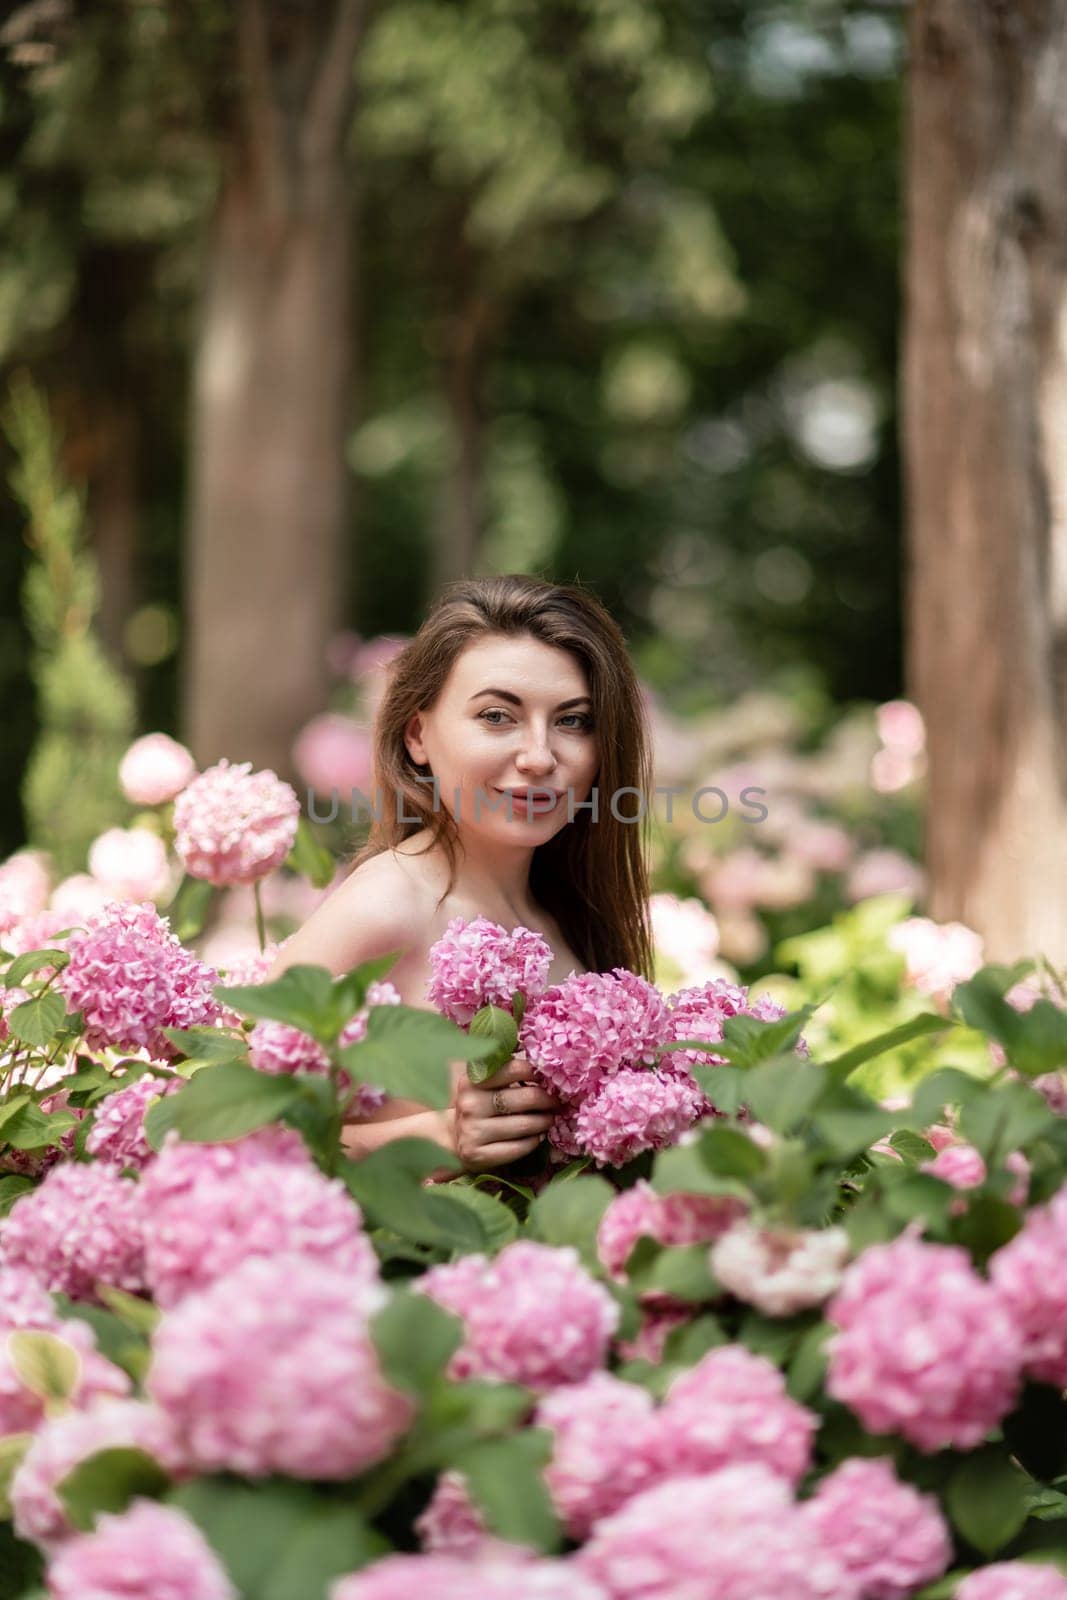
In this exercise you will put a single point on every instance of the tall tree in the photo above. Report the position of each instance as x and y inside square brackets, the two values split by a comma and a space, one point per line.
[271, 387]
[985, 388]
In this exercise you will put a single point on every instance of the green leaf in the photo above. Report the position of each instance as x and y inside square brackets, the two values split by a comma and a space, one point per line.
[504, 1478]
[500, 1223]
[769, 1336]
[32, 961]
[986, 1499]
[724, 1086]
[927, 1022]
[114, 1339]
[13, 1447]
[987, 1223]
[139, 1315]
[303, 996]
[498, 1026]
[852, 1122]
[208, 1044]
[747, 1040]
[570, 1213]
[30, 1128]
[21, 1568]
[782, 1093]
[1005, 1119]
[408, 1052]
[11, 1188]
[1035, 1431]
[37, 1020]
[188, 911]
[807, 1366]
[310, 858]
[685, 1345]
[945, 1087]
[683, 1170]
[388, 1186]
[731, 1153]
[279, 1540]
[912, 1147]
[47, 1365]
[108, 1481]
[221, 1103]
[415, 1339]
[682, 1271]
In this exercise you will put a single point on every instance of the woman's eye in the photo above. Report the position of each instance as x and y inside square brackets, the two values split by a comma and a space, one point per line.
[581, 721]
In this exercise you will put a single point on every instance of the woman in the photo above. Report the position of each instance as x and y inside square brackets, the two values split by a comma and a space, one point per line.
[511, 713]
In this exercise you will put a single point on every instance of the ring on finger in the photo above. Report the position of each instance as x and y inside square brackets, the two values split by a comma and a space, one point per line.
[499, 1103]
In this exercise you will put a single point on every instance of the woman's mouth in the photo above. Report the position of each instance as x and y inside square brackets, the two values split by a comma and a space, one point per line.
[531, 802]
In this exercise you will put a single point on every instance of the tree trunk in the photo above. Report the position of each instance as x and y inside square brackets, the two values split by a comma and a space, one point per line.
[271, 392]
[985, 391]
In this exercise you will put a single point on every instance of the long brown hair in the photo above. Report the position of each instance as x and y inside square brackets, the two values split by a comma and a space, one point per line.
[592, 879]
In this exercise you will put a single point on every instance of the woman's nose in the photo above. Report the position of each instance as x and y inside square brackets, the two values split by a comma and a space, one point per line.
[537, 754]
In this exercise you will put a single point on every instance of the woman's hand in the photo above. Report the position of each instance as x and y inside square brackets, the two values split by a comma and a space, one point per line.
[502, 1119]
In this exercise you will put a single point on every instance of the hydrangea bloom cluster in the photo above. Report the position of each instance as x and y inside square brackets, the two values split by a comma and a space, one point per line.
[479, 963]
[1014, 1580]
[131, 862]
[925, 1347]
[937, 956]
[81, 1226]
[449, 1578]
[150, 1552]
[61, 1444]
[233, 825]
[670, 1219]
[1029, 1274]
[533, 1315]
[606, 1447]
[961, 1165]
[131, 978]
[591, 1026]
[117, 1135]
[271, 1369]
[209, 1207]
[25, 1304]
[721, 1536]
[732, 1407]
[23, 888]
[155, 769]
[632, 1111]
[780, 1271]
[887, 1536]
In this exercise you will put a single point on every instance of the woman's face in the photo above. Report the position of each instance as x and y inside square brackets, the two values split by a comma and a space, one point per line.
[514, 716]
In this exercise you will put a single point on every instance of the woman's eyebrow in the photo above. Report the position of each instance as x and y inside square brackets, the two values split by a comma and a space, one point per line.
[516, 700]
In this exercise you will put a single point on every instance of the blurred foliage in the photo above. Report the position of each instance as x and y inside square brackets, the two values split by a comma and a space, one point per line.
[662, 238]
[85, 708]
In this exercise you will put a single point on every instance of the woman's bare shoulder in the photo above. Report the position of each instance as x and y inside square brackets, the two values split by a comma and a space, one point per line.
[377, 908]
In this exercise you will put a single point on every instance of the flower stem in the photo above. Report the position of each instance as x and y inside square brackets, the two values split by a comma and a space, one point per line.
[261, 927]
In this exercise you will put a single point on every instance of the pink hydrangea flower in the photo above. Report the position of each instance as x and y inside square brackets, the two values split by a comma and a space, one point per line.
[479, 963]
[890, 1538]
[590, 1026]
[233, 825]
[961, 1165]
[81, 1226]
[155, 769]
[634, 1110]
[533, 1315]
[150, 1552]
[1014, 1580]
[670, 1219]
[132, 978]
[884, 872]
[271, 1369]
[333, 752]
[61, 1444]
[445, 1577]
[780, 1271]
[25, 1304]
[74, 901]
[926, 1347]
[206, 1208]
[1029, 1274]
[606, 1447]
[452, 1525]
[732, 1407]
[23, 888]
[723, 1536]
[117, 1135]
[131, 863]
[937, 956]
